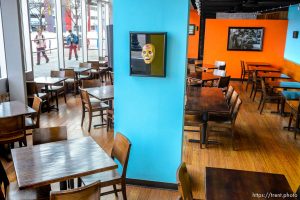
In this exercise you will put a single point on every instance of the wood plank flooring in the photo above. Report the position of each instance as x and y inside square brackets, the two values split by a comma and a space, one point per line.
[262, 144]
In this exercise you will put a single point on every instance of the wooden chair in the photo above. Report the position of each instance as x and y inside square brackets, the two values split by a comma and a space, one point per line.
[32, 91]
[11, 191]
[47, 135]
[95, 69]
[229, 94]
[110, 119]
[256, 85]
[184, 183]
[34, 120]
[89, 192]
[91, 107]
[225, 121]
[249, 77]
[59, 89]
[193, 121]
[268, 97]
[87, 74]
[70, 74]
[91, 83]
[219, 72]
[12, 129]
[4, 97]
[233, 99]
[244, 72]
[120, 151]
[294, 114]
[111, 77]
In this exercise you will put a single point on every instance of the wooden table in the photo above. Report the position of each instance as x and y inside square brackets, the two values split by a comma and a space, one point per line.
[264, 69]
[102, 93]
[257, 64]
[49, 81]
[204, 77]
[44, 164]
[273, 75]
[284, 85]
[209, 66]
[228, 184]
[14, 108]
[201, 101]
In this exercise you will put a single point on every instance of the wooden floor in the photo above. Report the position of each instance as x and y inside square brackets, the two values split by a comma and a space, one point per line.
[262, 143]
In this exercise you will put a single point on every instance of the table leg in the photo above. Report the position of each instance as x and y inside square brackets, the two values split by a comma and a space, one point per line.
[51, 107]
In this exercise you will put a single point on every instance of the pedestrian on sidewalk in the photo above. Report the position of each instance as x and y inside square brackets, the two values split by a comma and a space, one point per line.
[40, 46]
[72, 41]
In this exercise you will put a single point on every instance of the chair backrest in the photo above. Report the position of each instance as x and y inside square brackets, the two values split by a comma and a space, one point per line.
[233, 100]
[4, 97]
[243, 66]
[85, 99]
[12, 129]
[69, 73]
[218, 72]
[31, 88]
[121, 151]
[85, 64]
[263, 87]
[57, 74]
[192, 68]
[224, 82]
[47, 135]
[184, 183]
[91, 83]
[220, 63]
[95, 64]
[37, 106]
[4, 182]
[89, 192]
[236, 110]
[229, 93]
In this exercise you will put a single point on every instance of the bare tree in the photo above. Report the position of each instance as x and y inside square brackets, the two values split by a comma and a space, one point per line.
[37, 10]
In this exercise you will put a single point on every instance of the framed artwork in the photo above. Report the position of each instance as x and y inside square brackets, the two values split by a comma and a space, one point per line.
[245, 38]
[148, 54]
[192, 29]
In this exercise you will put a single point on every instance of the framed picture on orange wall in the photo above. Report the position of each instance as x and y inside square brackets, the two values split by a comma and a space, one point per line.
[245, 38]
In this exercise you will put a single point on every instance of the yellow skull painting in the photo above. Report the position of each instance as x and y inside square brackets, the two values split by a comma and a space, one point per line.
[148, 53]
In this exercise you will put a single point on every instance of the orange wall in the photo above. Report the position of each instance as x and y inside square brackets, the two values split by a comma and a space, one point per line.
[215, 45]
[193, 42]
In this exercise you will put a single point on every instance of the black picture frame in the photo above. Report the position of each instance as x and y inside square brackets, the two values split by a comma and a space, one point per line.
[245, 38]
[192, 29]
[138, 67]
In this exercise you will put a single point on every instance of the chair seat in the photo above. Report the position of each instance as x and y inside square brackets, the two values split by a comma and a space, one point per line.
[192, 120]
[106, 178]
[41, 95]
[94, 71]
[97, 106]
[14, 193]
[55, 88]
[81, 76]
[216, 117]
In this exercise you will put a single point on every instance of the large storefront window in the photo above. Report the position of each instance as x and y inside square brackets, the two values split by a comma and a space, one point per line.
[42, 16]
[72, 32]
[92, 30]
[2, 53]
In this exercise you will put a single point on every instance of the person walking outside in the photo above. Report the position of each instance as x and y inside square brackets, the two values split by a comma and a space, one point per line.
[72, 41]
[40, 46]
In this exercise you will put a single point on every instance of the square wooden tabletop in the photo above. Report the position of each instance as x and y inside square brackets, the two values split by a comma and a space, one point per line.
[229, 184]
[102, 93]
[44, 164]
[48, 80]
[14, 108]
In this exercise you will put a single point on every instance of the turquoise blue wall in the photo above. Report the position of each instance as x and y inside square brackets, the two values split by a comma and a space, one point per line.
[149, 111]
[292, 48]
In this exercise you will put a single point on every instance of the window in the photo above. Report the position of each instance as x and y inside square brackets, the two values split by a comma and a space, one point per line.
[2, 53]
[92, 30]
[72, 15]
[43, 36]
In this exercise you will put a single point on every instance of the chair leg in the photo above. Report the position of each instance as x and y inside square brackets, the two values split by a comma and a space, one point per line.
[90, 120]
[263, 105]
[115, 190]
[260, 101]
[252, 90]
[254, 95]
[290, 122]
[65, 97]
[233, 138]
[56, 99]
[82, 117]
[124, 191]
[101, 113]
